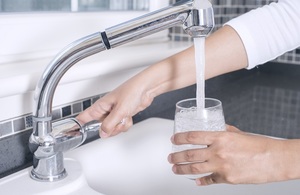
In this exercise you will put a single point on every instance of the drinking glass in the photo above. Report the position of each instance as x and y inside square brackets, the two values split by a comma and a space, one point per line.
[190, 118]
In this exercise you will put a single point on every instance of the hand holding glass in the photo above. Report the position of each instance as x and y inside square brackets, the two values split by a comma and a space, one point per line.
[190, 118]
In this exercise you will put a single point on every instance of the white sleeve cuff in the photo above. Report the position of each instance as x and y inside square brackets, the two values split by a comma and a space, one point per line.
[269, 31]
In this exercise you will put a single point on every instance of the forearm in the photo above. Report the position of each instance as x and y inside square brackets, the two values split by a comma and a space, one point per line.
[224, 53]
[290, 159]
[172, 73]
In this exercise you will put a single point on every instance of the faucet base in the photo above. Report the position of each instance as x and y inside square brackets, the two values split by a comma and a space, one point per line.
[48, 169]
[52, 178]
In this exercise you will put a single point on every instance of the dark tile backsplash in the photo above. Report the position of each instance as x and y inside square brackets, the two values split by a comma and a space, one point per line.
[265, 100]
[66, 111]
[77, 107]
[86, 104]
[19, 124]
[6, 128]
[23, 123]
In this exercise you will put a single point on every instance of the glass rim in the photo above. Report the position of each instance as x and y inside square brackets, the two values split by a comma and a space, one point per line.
[219, 103]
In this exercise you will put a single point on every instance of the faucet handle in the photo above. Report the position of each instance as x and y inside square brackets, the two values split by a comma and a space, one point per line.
[69, 133]
[91, 126]
[72, 125]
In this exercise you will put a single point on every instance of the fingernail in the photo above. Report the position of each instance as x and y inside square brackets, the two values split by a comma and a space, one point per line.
[174, 169]
[169, 158]
[198, 182]
[172, 139]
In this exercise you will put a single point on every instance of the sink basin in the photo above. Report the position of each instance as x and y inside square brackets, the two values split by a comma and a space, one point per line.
[135, 162]
[131, 163]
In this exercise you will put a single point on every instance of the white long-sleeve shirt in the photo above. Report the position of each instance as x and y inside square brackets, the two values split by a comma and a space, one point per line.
[269, 31]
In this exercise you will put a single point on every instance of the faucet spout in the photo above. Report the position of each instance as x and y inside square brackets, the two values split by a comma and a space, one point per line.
[48, 157]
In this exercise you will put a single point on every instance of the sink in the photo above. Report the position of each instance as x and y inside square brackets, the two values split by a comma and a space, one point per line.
[132, 163]
[135, 162]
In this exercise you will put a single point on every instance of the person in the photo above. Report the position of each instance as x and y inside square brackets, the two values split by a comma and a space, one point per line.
[233, 156]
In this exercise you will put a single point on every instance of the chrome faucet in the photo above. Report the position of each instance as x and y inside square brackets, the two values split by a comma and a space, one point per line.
[49, 140]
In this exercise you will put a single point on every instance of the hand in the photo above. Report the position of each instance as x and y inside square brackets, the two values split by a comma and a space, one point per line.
[116, 109]
[232, 157]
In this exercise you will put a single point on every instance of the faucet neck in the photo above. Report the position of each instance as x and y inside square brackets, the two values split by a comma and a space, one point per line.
[148, 24]
[47, 84]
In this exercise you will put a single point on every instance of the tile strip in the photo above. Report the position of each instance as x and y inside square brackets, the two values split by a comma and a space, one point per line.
[24, 123]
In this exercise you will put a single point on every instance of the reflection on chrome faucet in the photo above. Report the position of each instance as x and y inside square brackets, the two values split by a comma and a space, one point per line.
[46, 143]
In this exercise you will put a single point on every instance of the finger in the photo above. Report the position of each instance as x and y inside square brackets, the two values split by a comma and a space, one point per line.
[123, 126]
[208, 180]
[114, 121]
[195, 155]
[98, 111]
[192, 168]
[194, 137]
